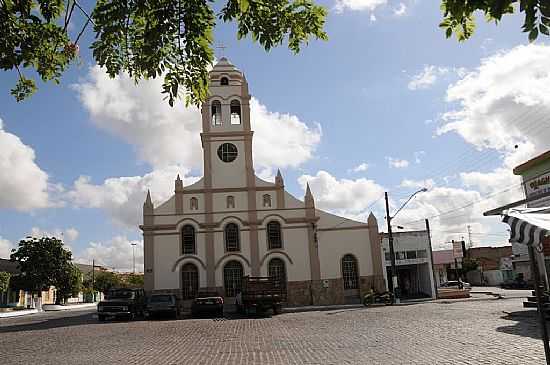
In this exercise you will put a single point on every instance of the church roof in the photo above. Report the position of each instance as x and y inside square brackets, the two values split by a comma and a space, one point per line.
[224, 65]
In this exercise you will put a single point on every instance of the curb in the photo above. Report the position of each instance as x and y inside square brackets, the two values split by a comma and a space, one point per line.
[18, 313]
[321, 308]
[54, 307]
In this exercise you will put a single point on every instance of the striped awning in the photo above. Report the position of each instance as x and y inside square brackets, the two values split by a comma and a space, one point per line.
[528, 226]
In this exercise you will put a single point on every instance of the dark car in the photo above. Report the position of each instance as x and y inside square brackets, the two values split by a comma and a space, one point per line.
[161, 304]
[207, 304]
[122, 303]
[515, 284]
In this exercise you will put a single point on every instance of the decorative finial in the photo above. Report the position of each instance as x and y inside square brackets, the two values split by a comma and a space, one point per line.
[279, 178]
[222, 48]
[148, 200]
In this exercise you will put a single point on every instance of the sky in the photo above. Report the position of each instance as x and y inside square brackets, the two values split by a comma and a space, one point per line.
[386, 104]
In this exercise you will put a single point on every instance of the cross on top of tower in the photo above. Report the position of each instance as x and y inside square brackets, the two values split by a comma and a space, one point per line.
[222, 48]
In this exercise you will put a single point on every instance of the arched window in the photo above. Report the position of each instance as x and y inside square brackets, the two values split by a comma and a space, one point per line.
[267, 200]
[194, 203]
[232, 278]
[276, 270]
[235, 112]
[232, 240]
[349, 272]
[216, 113]
[274, 235]
[230, 201]
[189, 281]
[188, 240]
[224, 81]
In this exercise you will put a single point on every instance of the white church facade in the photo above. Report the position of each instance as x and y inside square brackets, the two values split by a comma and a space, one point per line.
[230, 223]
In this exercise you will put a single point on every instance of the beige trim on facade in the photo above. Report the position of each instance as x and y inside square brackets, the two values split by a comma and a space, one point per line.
[273, 252]
[183, 258]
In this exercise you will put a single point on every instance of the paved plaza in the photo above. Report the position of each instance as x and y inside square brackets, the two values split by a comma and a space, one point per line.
[478, 331]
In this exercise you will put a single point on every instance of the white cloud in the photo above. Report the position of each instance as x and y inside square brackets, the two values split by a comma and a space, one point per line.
[122, 197]
[361, 167]
[114, 254]
[358, 5]
[427, 77]
[166, 136]
[281, 140]
[504, 102]
[397, 163]
[417, 184]
[5, 248]
[342, 196]
[23, 185]
[372, 18]
[400, 10]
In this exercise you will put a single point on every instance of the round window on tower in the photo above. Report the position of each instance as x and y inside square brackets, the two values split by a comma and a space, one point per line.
[227, 152]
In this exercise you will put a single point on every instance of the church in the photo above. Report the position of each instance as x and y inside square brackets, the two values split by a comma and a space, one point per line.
[231, 223]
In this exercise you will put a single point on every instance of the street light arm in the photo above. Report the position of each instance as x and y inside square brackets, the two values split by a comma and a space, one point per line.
[423, 190]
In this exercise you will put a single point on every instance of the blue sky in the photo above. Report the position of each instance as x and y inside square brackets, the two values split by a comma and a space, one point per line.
[387, 92]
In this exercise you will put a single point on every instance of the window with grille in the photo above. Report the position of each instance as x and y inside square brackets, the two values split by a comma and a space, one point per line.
[349, 272]
[410, 255]
[188, 240]
[277, 271]
[267, 200]
[235, 112]
[232, 278]
[216, 113]
[189, 281]
[227, 152]
[230, 202]
[224, 81]
[274, 235]
[232, 241]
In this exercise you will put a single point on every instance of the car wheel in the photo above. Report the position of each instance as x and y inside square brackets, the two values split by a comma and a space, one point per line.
[101, 317]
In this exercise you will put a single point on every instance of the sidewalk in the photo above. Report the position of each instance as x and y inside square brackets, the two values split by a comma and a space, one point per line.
[18, 313]
[54, 307]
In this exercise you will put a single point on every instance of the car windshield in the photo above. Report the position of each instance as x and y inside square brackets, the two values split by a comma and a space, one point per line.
[160, 299]
[120, 294]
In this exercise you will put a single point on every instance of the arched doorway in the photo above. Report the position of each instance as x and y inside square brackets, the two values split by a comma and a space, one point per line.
[350, 277]
[232, 278]
[189, 281]
[276, 269]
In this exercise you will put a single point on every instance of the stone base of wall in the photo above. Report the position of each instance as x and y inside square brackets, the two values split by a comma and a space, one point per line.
[329, 292]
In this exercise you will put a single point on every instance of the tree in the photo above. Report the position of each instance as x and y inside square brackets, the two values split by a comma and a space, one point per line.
[133, 280]
[69, 283]
[469, 265]
[43, 263]
[105, 280]
[4, 281]
[147, 39]
[459, 15]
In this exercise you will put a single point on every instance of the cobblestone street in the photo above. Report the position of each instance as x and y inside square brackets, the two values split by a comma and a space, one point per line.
[460, 332]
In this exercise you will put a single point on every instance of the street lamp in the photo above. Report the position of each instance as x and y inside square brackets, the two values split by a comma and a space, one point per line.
[395, 283]
[133, 257]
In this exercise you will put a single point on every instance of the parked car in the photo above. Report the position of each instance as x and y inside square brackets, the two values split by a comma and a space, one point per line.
[207, 304]
[122, 303]
[455, 284]
[161, 304]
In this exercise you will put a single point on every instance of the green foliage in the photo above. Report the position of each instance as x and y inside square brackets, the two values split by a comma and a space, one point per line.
[4, 281]
[104, 280]
[147, 39]
[69, 283]
[32, 37]
[459, 15]
[43, 263]
[133, 281]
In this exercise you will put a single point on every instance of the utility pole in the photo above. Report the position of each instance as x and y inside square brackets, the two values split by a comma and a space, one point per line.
[394, 281]
[133, 257]
[431, 257]
[470, 244]
[93, 280]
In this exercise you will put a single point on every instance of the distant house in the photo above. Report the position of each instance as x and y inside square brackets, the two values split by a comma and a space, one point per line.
[21, 298]
[444, 266]
[495, 265]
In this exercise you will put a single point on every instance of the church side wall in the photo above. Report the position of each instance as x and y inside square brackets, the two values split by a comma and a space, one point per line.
[333, 245]
[166, 249]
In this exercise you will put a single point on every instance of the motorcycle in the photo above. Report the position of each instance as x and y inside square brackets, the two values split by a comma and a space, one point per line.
[372, 298]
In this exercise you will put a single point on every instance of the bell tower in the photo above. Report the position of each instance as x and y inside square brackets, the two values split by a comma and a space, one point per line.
[227, 137]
